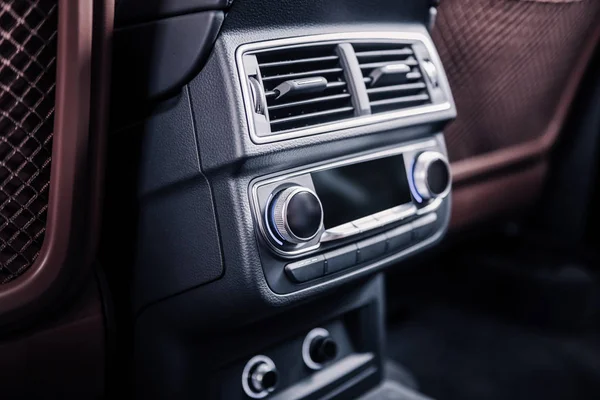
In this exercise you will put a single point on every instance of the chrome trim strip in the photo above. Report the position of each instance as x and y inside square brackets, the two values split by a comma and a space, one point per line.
[336, 38]
[340, 232]
[396, 214]
[424, 221]
[265, 231]
[385, 217]
[430, 207]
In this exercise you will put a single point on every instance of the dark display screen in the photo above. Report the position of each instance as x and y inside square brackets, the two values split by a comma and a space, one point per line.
[355, 191]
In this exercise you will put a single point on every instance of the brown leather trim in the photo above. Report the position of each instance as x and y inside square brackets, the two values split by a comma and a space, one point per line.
[100, 105]
[472, 167]
[478, 202]
[63, 359]
[68, 241]
[553, 1]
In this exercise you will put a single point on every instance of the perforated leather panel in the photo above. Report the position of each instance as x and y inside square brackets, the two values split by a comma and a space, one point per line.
[28, 30]
[508, 62]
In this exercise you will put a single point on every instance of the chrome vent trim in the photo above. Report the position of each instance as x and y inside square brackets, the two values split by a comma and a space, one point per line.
[397, 101]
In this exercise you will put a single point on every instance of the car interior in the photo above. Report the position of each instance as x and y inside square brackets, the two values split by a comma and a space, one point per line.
[300, 199]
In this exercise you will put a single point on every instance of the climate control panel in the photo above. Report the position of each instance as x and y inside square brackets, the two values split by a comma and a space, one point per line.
[327, 219]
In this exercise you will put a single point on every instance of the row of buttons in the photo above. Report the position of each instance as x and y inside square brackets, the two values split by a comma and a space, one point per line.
[368, 249]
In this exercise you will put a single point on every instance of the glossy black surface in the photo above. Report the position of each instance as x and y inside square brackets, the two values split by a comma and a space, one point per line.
[304, 215]
[438, 177]
[323, 349]
[354, 191]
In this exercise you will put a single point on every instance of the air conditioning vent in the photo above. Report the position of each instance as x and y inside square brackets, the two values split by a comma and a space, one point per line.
[304, 86]
[392, 76]
[297, 87]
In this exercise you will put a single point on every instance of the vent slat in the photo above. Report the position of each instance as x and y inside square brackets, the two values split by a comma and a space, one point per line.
[413, 75]
[400, 100]
[410, 76]
[397, 88]
[410, 62]
[302, 74]
[310, 101]
[381, 53]
[312, 115]
[330, 85]
[299, 61]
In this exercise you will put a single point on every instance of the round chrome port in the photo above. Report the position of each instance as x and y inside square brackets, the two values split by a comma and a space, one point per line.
[259, 377]
[318, 348]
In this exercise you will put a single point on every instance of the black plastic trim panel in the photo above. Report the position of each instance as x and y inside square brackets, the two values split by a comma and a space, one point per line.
[154, 60]
[135, 11]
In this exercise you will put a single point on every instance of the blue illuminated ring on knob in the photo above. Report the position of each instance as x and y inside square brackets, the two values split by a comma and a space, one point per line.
[431, 175]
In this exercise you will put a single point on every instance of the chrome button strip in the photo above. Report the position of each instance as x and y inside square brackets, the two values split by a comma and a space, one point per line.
[396, 214]
[366, 224]
[340, 232]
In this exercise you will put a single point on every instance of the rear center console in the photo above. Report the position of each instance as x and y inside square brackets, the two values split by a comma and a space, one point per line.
[292, 170]
[345, 215]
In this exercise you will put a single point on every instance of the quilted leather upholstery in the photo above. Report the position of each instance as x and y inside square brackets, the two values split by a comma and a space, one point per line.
[28, 30]
[507, 62]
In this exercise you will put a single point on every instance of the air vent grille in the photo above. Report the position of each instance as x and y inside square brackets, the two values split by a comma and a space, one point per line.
[392, 76]
[305, 86]
[328, 101]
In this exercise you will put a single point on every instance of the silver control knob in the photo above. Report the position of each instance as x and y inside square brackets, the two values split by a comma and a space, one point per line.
[296, 215]
[431, 175]
[259, 377]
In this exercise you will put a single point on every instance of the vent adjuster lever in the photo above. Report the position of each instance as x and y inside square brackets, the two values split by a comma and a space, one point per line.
[383, 75]
[292, 87]
[433, 12]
